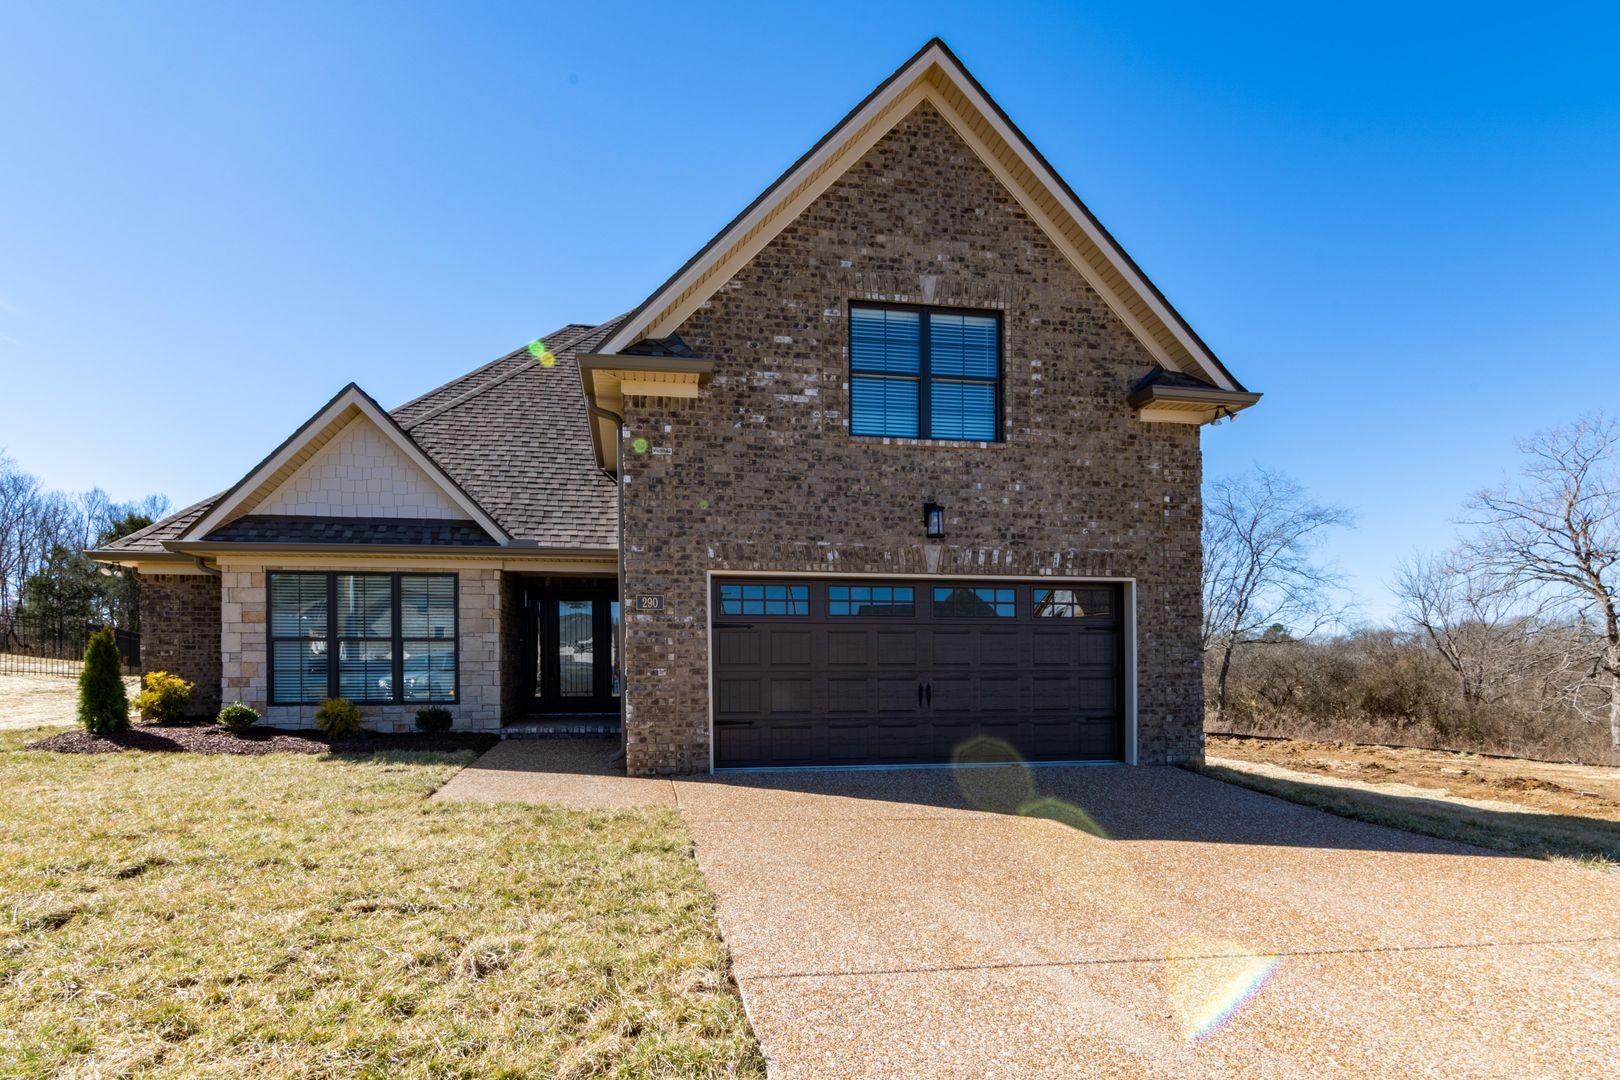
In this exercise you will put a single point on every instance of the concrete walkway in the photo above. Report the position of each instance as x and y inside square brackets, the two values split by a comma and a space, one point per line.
[1149, 922]
[579, 774]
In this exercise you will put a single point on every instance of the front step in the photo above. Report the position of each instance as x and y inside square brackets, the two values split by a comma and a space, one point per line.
[571, 728]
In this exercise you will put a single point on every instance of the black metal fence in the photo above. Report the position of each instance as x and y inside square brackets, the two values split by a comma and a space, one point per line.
[40, 647]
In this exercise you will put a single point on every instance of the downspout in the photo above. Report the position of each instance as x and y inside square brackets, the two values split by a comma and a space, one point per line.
[598, 412]
[205, 568]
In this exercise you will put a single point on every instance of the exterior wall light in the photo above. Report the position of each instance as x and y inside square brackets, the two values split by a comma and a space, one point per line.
[934, 520]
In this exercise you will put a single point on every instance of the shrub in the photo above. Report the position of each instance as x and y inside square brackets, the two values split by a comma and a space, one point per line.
[433, 718]
[338, 717]
[237, 717]
[103, 705]
[164, 697]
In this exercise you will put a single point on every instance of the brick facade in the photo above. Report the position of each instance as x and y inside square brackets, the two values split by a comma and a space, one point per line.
[180, 632]
[243, 651]
[763, 474]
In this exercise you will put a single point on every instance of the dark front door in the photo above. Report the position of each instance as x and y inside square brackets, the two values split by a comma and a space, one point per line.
[905, 672]
[577, 668]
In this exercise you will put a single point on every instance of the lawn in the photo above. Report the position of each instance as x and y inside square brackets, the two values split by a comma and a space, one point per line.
[301, 915]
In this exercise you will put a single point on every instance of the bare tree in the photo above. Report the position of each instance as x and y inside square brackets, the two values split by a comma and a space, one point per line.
[1260, 534]
[1480, 626]
[1555, 535]
[19, 493]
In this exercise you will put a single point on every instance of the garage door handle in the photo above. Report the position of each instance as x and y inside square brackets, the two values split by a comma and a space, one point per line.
[919, 695]
[929, 693]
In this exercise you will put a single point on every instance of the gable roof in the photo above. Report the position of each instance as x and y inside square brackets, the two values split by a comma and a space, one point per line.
[518, 439]
[510, 434]
[348, 405]
[936, 76]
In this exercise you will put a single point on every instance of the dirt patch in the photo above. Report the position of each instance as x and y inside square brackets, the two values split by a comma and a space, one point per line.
[28, 701]
[1579, 790]
[213, 739]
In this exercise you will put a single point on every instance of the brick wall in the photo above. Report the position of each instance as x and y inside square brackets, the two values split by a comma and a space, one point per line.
[763, 474]
[360, 474]
[180, 632]
[244, 650]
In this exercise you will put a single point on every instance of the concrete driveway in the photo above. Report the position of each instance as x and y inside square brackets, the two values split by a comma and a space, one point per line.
[1152, 923]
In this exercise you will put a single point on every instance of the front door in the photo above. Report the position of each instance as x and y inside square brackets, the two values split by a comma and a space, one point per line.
[577, 667]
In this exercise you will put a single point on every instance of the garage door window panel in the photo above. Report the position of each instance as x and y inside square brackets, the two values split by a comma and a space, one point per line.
[891, 601]
[764, 599]
[963, 603]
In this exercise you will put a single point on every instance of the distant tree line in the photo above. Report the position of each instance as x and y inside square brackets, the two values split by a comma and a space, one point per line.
[45, 577]
[1508, 642]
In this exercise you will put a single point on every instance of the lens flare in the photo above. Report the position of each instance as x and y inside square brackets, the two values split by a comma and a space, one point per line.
[1000, 790]
[539, 350]
[1212, 980]
[1066, 813]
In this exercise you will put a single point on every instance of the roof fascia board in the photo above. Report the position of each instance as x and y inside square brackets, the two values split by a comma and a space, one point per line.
[349, 397]
[898, 87]
[1048, 177]
[218, 547]
[628, 333]
[1228, 398]
[900, 95]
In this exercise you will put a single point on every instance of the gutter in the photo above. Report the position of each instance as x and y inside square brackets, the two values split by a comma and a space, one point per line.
[599, 413]
[498, 551]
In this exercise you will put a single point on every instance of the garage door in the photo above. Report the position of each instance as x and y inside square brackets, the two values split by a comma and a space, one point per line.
[904, 672]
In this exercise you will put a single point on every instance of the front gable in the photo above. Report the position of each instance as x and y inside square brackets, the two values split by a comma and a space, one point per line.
[935, 79]
[350, 460]
[360, 473]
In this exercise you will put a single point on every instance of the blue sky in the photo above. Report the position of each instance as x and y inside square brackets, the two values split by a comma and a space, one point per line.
[1401, 223]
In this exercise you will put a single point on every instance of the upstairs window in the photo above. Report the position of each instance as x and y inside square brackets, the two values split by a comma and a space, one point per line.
[924, 373]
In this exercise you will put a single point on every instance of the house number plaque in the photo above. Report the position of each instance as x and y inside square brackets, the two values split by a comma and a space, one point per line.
[650, 602]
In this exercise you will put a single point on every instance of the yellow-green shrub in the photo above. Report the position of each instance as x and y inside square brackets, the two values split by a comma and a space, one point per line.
[338, 717]
[163, 697]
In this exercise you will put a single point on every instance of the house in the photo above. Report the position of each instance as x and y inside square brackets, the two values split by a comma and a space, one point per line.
[907, 455]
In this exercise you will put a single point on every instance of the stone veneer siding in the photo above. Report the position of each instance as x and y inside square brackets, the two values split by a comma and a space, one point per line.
[245, 668]
[180, 633]
[764, 475]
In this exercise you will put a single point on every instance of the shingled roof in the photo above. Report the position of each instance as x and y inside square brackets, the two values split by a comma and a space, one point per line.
[513, 433]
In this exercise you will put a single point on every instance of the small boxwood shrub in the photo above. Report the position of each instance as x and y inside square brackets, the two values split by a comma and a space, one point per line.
[163, 697]
[237, 717]
[338, 717]
[103, 705]
[433, 718]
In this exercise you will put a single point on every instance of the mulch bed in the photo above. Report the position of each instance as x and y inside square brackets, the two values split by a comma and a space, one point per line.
[213, 739]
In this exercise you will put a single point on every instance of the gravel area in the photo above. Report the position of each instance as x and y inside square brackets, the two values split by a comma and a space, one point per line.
[1129, 922]
[580, 774]
[213, 739]
[1152, 923]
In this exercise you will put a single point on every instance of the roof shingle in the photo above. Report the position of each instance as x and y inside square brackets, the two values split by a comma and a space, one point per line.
[513, 433]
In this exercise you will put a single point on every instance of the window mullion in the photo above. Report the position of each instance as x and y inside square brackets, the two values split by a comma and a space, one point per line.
[925, 420]
[396, 647]
[334, 648]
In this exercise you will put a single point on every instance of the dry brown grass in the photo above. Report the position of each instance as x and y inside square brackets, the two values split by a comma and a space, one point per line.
[1506, 818]
[279, 916]
[29, 701]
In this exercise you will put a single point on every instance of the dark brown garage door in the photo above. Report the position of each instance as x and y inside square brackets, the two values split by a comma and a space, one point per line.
[904, 672]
